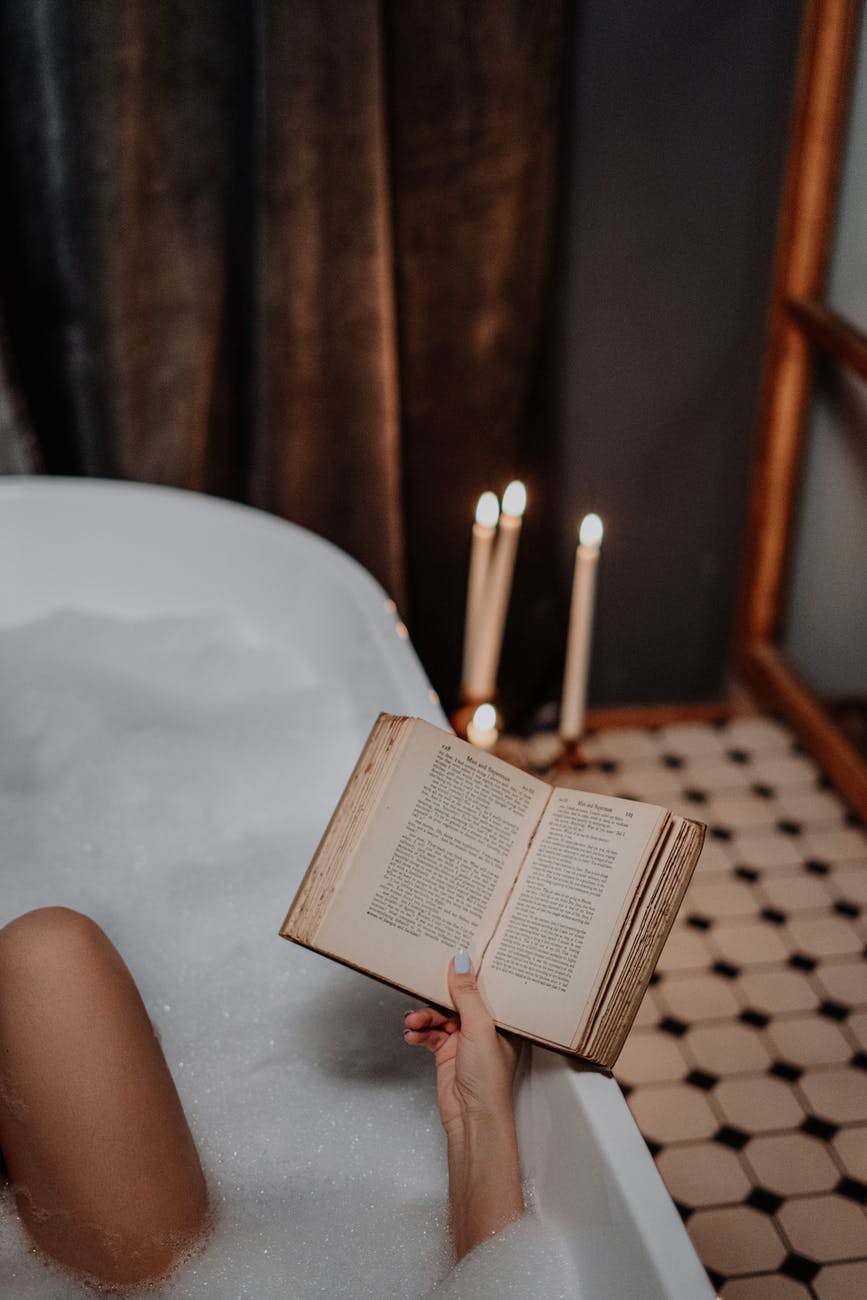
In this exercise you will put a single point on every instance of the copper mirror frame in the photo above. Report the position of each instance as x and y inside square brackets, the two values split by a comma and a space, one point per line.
[801, 329]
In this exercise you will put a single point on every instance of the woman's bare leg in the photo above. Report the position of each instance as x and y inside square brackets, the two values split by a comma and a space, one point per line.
[105, 1171]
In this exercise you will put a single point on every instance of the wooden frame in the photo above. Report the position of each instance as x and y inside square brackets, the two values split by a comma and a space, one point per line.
[800, 324]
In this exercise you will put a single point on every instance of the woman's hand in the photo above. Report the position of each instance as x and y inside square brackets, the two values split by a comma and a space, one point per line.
[475, 1073]
[475, 1063]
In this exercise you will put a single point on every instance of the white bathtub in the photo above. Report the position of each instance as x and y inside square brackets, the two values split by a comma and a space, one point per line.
[133, 551]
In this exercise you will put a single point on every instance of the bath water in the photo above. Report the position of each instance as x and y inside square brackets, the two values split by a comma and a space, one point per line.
[171, 779]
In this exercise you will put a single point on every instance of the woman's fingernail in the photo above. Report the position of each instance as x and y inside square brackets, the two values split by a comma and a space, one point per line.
[462, 962]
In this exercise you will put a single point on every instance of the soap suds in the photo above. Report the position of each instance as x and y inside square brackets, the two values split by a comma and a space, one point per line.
[171, 780]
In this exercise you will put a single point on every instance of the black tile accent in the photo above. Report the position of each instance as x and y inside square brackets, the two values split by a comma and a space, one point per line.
[845, 908]
[738, 755]
[762, 791]
[817, 866]
[627, 1088]
[716, 1279]
[747, 873]
[701, 1079]
[799, 1267]
[729, 1136]
[853, 1189]
[859, 1061]
[695, 796]
[672, 760]
[773, 915]
[656, 978]
[833, 1010]
[824, 782]
[786, 827]
[653, 1147]
[699, 922]
[726, 969]
[683, 1210]
[800, 961]
[757, 1019]
[669, 1025]
[818, 1128]
[608, 765]
[761, 1199]
[720, 833]
[798, 747]
[785, 1070]
[852, 819]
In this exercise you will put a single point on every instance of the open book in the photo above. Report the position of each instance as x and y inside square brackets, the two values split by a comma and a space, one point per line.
[563, 899]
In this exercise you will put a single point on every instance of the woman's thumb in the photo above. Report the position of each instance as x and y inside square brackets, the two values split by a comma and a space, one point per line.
[465, 991]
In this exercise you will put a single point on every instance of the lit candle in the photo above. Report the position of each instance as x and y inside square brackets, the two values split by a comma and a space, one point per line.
[482, 730]
[574, 703]
[481, 683]
[484, 532]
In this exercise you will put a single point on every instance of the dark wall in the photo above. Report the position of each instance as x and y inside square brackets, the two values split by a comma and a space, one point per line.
[679, 121]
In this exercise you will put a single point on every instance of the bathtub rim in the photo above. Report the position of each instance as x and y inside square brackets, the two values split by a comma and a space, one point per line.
[370, 602]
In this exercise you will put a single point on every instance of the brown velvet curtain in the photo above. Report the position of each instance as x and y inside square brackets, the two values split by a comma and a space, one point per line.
[298, 254]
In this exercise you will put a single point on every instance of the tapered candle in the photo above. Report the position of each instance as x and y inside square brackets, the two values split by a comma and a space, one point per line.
[482, 730]
[573, 706]
[481, 683]
[482, 546]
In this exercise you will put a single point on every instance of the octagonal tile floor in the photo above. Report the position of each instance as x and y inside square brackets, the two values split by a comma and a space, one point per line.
[746, 1070]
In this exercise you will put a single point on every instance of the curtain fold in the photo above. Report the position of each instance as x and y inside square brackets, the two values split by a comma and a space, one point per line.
[18, 451]
[327, 452]
[295, 253]
[124, 155]
[474, 99]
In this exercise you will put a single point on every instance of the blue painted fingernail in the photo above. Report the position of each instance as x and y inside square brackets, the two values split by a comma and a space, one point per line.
[462, 962]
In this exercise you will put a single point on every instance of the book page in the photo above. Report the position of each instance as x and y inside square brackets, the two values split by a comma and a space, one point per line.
[563, 918]
[435, 864]
[625, 981]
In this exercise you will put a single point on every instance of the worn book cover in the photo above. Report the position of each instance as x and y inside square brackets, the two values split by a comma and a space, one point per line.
[563, 899]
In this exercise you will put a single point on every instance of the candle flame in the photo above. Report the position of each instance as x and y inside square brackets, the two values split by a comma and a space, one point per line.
[515, 499]
[485, 717]
[488, 509]
[590, 532]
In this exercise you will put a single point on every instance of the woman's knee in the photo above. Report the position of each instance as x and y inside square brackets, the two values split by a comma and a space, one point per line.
[52, 944]
[52, 941]
[103, 1150]
[58, 967]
